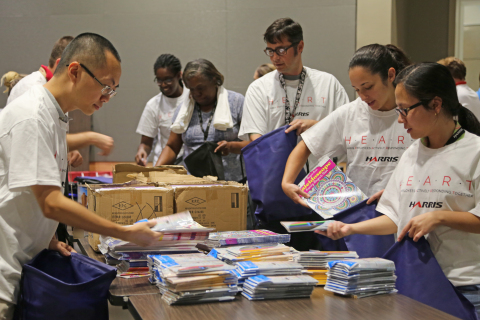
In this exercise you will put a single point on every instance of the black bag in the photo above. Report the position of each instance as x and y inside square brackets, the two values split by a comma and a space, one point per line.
[204, 162]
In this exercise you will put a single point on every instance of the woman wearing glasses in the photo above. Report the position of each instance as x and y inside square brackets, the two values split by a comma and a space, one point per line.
[435, 188]
[157, 116]
[211, 113]
[365, 130]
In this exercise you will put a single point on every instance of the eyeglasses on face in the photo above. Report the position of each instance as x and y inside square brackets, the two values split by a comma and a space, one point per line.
[106, 90]
[165, 82]
[280, 51]
[404, 112]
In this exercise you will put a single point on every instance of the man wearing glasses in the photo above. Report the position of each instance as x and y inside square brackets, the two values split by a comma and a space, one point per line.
[33, 162]
[294, 94]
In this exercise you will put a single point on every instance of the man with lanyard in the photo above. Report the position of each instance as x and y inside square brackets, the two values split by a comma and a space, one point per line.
[293, 94]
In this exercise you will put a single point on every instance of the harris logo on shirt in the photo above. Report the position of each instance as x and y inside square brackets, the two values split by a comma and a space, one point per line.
[415, 204]
[381, 159]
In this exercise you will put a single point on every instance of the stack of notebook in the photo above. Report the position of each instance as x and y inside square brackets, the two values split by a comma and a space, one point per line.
[253, 252]
[315, 262]
[361, 277]
[180, 235]
[278, 287]
[246, 269]
[230, 238]
[192, 278]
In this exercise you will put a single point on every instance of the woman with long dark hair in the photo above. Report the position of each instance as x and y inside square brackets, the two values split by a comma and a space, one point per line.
[435, 188]
[364, 130]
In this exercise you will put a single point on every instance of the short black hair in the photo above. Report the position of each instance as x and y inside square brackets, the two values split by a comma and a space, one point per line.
[58, 48]
[284, 28]
[88, 48]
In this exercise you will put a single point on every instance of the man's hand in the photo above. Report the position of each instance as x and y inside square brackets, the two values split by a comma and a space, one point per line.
[294, 192]
[141, 234]
[301, 125]
[223, 147]
[75, 159]
[420, 226]
[62, 247]
[103, 142]
[336, 230]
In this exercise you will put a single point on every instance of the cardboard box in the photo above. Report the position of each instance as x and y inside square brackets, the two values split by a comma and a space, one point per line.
[126, 204]
[120, 171]
[222, 205]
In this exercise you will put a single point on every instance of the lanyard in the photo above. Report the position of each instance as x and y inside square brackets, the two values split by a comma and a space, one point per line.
[290, 114]
[200, 118]
[456, 135]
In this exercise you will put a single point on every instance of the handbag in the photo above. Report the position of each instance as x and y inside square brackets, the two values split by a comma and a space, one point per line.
[204, 162]
[64, 288]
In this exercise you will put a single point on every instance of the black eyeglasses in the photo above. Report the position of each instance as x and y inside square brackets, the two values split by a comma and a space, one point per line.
[404, 112]
[280, 51]
[166, 81]
[107, 90]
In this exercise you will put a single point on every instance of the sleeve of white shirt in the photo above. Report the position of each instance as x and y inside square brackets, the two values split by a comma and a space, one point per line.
[389, 203]
[476, 193]
[148, 124]
[254, 118]
[325, 137]
[32, 156]
[341, 96]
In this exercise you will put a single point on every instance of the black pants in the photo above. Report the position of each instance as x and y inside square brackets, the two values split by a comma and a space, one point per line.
[301, 241]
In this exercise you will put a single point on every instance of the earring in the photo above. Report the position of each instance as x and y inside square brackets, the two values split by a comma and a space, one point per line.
[435, 114]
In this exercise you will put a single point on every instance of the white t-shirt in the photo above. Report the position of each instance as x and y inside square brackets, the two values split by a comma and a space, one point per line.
[440, 179]
[264, 108]
[469, 99]
[372, 140]
[34, 78]
[156, 119]
[33, 151]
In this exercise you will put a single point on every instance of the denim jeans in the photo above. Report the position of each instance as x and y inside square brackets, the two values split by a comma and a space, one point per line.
[472, 293]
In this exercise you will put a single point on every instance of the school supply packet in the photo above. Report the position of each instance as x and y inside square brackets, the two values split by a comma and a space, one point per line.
[305, 226]
[330, 190]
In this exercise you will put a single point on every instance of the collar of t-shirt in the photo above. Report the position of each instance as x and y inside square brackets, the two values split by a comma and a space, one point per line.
[288, 77]
[458, 134]
[460, 82]
[48, 73]
[61, 115]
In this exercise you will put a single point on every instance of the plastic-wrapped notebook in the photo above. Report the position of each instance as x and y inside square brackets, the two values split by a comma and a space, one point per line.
[330, 190]
[228, 238]
[304, 226]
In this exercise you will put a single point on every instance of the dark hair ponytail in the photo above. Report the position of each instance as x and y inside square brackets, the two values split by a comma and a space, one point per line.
[379, 59]
[169, 61]
[426, 81]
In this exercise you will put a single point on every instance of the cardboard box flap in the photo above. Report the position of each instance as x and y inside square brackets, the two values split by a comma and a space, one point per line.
[128, 167]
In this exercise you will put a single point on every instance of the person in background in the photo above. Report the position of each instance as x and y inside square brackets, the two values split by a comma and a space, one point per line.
[212, 113]
[467, 97]
[444, 163]
[157, 116]
[10, 79]
[75, 141]
[478, 91]
[32, 199]
[293, 94]
[365, 130]
[262, 70]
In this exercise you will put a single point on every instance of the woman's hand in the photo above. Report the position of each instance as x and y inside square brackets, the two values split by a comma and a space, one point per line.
[224, 147]
[62, 247]
[420, 226]
[294, 192]
[376, 196]
[337, 230]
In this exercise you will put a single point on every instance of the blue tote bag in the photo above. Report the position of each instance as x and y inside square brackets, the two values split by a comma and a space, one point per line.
[366, 246]
[58, 287]
[420, 277]
[265, 160]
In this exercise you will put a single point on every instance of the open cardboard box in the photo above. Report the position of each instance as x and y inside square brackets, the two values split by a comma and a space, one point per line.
[120, 171]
